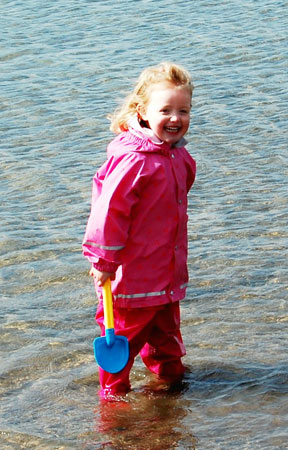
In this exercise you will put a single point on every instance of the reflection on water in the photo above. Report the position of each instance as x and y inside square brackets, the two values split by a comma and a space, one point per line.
[64, 65]
[148, 419]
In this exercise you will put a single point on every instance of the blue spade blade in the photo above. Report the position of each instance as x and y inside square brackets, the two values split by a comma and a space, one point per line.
[111, 351]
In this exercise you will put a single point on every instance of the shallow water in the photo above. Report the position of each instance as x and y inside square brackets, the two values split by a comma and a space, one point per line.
[64, 67]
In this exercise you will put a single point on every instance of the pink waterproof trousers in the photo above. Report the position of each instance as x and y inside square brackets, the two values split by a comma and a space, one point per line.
[155, 333]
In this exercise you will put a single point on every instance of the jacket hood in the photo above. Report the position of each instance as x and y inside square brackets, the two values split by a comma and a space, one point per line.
[140, 139]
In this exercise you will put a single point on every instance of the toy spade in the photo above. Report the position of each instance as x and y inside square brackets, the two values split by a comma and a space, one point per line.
[111, 351]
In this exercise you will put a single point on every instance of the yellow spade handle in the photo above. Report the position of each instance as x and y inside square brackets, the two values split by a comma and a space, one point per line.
[108, 305]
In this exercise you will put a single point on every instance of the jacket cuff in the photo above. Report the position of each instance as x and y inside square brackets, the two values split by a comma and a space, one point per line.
[105, 266]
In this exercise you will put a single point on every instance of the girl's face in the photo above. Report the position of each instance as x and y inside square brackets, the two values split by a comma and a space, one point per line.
[167, 112]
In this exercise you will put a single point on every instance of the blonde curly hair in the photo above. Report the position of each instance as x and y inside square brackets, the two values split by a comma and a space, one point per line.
[164, 72]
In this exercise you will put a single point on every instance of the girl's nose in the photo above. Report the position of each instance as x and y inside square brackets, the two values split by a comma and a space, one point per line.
[174, 118]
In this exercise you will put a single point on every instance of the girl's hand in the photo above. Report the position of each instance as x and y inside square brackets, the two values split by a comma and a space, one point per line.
[100, 277]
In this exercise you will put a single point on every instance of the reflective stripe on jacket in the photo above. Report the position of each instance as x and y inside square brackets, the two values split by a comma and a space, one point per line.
[138, 220]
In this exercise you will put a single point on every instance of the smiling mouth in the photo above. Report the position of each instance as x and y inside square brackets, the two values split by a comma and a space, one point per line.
[172, 129]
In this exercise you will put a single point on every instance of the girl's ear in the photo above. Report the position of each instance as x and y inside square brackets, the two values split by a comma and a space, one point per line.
[141, 112]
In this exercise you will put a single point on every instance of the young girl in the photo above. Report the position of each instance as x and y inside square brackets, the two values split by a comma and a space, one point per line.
[137, 230]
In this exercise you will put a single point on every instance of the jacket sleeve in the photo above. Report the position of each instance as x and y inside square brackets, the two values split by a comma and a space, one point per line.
[115, 191]
[191, 171]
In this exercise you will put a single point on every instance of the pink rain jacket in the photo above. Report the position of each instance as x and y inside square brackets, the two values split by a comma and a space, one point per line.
[138, 220]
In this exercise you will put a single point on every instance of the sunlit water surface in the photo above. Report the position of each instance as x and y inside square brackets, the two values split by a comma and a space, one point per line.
[64, 67]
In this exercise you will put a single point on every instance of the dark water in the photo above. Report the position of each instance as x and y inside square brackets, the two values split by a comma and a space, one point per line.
[64, 67]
